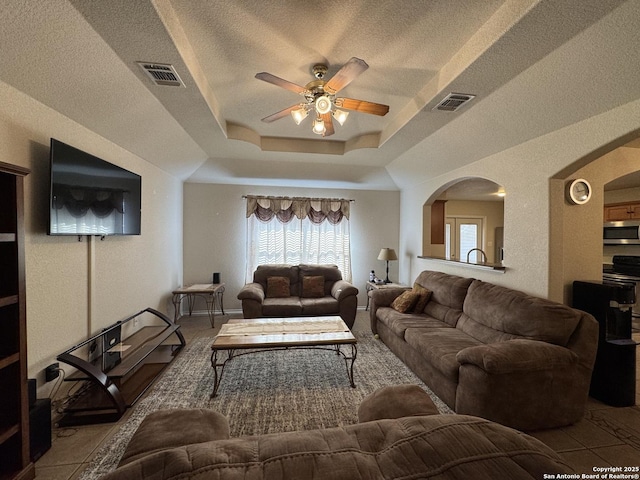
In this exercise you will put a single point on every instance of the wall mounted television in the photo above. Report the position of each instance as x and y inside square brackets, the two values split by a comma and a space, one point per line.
[90, 196]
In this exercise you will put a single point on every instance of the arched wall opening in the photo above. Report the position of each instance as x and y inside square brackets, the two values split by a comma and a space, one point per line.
[463, 220]
[576, 250]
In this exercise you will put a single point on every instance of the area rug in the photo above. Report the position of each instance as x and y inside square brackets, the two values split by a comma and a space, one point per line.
[266, 392]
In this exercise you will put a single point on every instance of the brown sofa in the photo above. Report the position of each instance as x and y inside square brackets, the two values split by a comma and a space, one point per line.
[195, 444]
[493, 352]
[296, 297]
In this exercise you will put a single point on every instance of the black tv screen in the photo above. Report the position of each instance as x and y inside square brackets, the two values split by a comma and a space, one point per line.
[90, 196]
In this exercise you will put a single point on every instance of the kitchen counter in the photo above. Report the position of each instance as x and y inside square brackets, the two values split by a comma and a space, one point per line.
[495, 267]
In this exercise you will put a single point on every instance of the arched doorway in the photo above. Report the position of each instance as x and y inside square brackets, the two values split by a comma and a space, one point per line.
[466, 219]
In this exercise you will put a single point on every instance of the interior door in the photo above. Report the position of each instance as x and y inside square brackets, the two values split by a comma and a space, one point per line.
[461, 236]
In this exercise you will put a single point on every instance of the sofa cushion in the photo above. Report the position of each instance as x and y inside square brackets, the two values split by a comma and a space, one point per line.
[405, 301]
[396, 401]
[278, 287]
[399, 322]
[278, 270]
[319, 306]
[493, 313]
[331, 274]
[448, 295]
[281, 307]
[313, 286]
[187, 426]
[424, 295]
[439, 346]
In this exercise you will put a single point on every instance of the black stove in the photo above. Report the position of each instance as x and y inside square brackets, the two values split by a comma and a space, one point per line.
[626, 265]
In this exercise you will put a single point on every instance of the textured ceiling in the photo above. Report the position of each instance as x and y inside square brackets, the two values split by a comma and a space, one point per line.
[534, 66]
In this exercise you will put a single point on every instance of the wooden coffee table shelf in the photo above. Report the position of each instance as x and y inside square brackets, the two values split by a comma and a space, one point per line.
[288, 337]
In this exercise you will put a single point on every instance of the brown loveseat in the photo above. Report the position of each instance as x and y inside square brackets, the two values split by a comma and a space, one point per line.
[493, 352]
[299, 291]
[195, 444]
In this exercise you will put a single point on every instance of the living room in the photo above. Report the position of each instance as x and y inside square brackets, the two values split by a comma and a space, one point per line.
[562, 104]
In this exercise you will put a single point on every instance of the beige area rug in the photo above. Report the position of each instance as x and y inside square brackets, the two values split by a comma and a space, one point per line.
[267, 392]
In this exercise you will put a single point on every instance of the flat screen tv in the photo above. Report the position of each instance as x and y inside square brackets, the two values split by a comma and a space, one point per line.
[90, 196]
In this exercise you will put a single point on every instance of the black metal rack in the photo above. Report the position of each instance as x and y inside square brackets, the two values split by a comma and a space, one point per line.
[120, 363]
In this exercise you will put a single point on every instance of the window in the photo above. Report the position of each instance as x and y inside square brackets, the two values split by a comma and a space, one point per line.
[298, 230]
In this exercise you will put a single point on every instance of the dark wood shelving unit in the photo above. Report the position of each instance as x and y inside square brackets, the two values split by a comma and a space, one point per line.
[127, 361]
[15, 460]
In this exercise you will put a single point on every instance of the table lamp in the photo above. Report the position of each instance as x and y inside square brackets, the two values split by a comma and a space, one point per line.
[387, 254]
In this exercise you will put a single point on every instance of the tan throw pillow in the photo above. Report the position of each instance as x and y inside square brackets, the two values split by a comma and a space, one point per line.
[424, 295]
[313, 286]
[277, 287]
[405, 301]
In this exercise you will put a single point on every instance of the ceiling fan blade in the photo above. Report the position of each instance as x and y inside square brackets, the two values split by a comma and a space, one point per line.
[267, 77]
[345, 75]
[328, 124]
[362, 106]
[281, 113]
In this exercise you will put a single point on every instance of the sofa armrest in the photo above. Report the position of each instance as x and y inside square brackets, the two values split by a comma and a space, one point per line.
[167, 429]
[343, 289]
[252, 291]
[518, 355]
[384, 297]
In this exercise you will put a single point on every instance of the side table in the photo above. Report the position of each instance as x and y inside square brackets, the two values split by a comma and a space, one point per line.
[212, 293]
[371, 286]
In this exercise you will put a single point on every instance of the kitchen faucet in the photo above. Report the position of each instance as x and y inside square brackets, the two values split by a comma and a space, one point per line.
[479, 250]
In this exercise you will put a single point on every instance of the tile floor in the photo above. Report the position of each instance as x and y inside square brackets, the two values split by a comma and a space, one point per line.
[606, 436]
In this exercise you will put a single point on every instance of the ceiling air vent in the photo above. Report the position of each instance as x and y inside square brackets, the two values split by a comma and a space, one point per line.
[453, 102]
[162, 74]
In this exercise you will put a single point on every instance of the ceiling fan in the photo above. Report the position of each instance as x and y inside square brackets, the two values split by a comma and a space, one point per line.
[320, 97]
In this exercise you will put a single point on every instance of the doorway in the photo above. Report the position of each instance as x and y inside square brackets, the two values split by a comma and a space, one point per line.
[463, 234]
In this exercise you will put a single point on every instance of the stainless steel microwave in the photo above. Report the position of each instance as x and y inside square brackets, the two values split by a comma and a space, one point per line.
[626, 232]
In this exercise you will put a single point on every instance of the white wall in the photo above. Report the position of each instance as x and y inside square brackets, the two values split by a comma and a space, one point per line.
[123, 274]
[536, 261]
[215, 231]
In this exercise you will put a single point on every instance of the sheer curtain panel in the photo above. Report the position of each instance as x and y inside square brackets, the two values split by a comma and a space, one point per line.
[298, 230]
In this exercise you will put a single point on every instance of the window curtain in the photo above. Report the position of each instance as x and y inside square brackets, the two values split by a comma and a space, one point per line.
[298, 230]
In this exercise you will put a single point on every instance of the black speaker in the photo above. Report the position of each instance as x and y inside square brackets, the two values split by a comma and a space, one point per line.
[32, 391]
[216, 277]
[40, 428]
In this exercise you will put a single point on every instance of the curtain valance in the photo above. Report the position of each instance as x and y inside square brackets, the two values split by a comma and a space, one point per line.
[285, 209]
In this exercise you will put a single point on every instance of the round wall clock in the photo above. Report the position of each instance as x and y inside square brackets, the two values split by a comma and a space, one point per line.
[578, 191]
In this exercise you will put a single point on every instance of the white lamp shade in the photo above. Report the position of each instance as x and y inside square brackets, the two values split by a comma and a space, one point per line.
[318, 126]
[299, 115]
[340, 116]
[387, 254]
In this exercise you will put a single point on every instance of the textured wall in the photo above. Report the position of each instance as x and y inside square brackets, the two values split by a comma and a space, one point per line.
[548, 243]
[74, 288]
[215, 230]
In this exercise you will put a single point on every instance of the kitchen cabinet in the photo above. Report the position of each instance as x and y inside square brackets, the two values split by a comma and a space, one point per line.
[622, 211]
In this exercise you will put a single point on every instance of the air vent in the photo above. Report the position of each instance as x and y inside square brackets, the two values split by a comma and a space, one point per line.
[453, 102]
[162, 74]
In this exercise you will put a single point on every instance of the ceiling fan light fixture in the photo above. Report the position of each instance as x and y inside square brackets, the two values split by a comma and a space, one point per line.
[318, 126]
[340, 116]
[299, 115]
[323, 104]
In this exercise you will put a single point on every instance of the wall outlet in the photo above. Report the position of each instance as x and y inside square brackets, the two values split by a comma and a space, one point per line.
[52, 372]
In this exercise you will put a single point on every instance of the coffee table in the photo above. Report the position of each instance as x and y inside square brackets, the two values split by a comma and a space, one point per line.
[269, 334]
